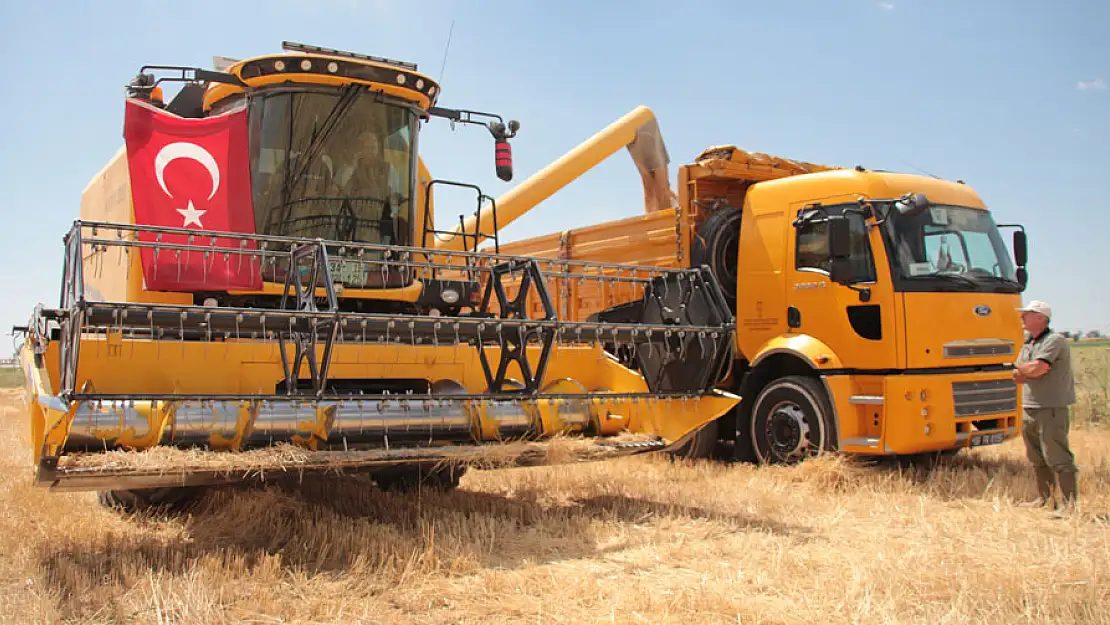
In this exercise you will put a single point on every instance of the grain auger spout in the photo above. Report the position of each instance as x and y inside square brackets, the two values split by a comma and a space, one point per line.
[637, 131]
[234, 310]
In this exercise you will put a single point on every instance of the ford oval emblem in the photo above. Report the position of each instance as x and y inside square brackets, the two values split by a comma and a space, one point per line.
[982, 310]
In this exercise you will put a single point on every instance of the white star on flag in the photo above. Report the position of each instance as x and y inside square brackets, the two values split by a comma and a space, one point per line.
[191, 215]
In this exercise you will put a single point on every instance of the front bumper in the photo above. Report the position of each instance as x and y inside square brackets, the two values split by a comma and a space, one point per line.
[924, 412]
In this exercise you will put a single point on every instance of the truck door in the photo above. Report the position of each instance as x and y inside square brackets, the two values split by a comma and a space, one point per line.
[857, 321]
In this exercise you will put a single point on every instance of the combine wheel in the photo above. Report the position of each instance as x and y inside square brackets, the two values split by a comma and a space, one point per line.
[790, 421]
[143, 499]
[716, 244]
[409, 480]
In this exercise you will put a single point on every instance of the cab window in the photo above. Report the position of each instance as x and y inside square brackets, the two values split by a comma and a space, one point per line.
[811, 251]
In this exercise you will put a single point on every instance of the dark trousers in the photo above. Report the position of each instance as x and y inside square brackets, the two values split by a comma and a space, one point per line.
[1046, 445]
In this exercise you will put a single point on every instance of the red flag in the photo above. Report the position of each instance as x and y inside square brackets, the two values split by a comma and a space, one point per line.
[194, 174]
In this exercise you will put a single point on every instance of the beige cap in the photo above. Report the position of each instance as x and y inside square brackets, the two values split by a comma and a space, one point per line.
[1038, 306]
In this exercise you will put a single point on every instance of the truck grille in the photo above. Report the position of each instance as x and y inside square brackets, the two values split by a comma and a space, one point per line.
[973, 349]
[986, 397]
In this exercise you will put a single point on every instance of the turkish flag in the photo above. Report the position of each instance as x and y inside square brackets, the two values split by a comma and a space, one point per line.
[193, 174]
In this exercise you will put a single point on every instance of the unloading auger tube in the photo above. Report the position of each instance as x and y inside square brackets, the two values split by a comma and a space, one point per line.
[638, 131]
[143, 395]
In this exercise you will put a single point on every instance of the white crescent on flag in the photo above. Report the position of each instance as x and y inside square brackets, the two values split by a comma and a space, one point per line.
[191, 151]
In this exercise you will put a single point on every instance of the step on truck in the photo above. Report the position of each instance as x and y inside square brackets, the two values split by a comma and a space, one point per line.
[875, 310]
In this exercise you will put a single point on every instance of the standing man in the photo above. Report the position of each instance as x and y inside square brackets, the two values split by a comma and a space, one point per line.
[1044, 367]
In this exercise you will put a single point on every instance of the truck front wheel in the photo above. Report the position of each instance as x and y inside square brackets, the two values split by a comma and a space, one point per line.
[790, 421]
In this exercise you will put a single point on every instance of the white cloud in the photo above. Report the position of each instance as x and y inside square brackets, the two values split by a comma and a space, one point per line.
[1097, 84]
[886, 6]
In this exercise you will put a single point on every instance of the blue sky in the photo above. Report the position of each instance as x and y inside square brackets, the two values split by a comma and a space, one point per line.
[1013, 97]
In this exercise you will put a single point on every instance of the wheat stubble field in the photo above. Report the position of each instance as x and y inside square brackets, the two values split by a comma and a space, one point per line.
[631, 541]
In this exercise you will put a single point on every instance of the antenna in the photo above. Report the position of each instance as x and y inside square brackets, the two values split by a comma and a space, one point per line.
[445, 51]
[912, 166]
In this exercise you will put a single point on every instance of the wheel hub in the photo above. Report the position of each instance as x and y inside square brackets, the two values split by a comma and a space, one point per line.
[787, 431]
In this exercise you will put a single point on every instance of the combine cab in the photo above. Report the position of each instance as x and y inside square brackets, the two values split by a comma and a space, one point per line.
[248, 295]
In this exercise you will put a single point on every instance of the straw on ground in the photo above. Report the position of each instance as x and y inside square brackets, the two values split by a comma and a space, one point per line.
[626, 541]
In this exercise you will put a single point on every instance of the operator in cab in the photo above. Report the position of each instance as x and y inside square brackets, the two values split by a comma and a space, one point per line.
[1044, 367]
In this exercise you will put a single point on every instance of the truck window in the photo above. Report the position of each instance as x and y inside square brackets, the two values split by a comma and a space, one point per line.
[812, 247]
[949, 240]
[959, 251]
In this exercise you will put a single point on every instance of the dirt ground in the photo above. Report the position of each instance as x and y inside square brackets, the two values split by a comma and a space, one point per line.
[631, 541]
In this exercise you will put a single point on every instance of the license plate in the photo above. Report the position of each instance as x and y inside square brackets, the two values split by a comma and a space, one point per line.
[988, 439]
[348, 272]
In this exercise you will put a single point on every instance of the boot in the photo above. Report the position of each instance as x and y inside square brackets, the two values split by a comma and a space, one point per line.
[1046, 482]
[1069, 491]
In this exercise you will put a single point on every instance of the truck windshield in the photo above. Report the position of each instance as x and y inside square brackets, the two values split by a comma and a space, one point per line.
[949, 248]
[332, 164]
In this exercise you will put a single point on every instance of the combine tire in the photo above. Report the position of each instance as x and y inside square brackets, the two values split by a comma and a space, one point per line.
[791, 420]
[143, 499]
[702, 445]
[716, 244]
[410, 480]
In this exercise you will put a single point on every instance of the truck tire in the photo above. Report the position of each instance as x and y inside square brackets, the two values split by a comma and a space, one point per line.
[702, 445]
[142, 499]
[716, 244]
[409, 480]
[791, 420]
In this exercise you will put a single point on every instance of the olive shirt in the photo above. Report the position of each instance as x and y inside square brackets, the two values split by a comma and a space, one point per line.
[1056, 388]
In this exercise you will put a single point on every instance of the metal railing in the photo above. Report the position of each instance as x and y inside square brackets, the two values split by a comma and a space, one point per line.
[682, 339]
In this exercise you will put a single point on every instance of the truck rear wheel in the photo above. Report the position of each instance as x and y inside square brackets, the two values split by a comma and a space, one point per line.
[717, 244]
[790, 421]
[142, 499]
[412, 479]
[701, 445]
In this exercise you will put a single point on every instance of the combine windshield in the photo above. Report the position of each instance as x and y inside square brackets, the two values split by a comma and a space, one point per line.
[949, 248]
[332, 164]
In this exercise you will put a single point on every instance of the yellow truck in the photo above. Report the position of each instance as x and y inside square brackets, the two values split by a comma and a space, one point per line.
[875, 311]
[256, 289]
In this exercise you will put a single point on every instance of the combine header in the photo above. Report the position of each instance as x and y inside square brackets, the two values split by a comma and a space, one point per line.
[247, 295]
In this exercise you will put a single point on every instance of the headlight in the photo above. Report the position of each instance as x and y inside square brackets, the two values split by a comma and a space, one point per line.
[449, 296]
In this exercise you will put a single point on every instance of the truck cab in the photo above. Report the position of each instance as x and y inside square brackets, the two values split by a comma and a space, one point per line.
[897, 293]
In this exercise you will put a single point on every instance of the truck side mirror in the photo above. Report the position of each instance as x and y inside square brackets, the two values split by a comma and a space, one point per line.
[840, 249]
[1021, 251]
[840, 270]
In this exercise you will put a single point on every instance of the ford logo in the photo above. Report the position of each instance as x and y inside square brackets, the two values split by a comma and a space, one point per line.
[982, 310]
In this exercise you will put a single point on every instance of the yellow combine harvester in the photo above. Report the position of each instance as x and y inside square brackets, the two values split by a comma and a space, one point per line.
[255, 289]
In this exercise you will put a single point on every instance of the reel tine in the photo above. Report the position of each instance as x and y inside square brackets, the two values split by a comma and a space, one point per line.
[458, 343]
[358, 354]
